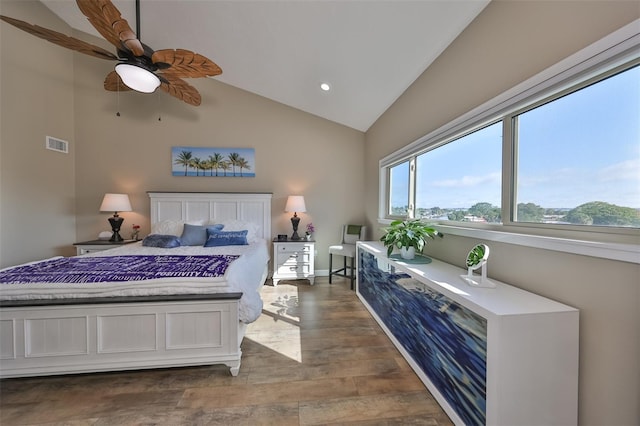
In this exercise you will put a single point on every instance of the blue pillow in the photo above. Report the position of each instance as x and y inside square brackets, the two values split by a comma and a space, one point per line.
[196, 235]
[218, 238]
[161, 241]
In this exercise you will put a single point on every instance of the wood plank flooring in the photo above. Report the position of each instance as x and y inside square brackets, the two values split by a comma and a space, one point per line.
[314, 357]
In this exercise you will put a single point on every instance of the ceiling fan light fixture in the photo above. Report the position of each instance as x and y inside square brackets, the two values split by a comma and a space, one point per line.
[138, 78]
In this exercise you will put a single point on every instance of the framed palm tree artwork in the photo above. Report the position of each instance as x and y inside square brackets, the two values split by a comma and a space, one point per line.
[213, 162]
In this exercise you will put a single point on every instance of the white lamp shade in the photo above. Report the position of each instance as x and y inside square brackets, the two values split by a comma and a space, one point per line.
[138, 78]
[295, 203]
[115, 203]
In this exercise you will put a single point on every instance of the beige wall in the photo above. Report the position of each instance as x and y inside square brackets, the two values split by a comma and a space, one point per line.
[508, 43]
[48, 200]
[296, 153]
[37, 186]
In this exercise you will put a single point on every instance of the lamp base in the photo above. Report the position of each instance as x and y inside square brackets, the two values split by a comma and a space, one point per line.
[116, 238]
[295, 220]
[116, 223]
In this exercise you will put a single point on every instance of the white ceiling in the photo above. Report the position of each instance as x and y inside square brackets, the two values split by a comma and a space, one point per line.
[369, 51]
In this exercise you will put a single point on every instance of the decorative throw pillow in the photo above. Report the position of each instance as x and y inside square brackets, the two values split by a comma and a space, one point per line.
[222, 238]
[241, 225]
[161, 241]
[196, 235]
[172, 227]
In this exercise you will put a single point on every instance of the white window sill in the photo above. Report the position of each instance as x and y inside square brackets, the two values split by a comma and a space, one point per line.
[614, 251]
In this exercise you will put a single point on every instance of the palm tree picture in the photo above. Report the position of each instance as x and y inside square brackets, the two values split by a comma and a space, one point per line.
[183, 159]
[220, 162]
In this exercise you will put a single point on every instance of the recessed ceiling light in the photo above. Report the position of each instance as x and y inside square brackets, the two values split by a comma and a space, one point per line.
[325, 87]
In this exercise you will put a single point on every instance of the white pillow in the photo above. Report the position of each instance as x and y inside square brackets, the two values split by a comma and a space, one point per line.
[173, 227]
[241, 225]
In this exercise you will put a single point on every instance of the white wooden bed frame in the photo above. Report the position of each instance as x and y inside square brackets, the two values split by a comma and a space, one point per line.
[103, 334]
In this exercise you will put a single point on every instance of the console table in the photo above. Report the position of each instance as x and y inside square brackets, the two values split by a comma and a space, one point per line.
[499, 356]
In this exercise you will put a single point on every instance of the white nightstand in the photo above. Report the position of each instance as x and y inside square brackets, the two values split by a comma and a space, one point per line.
[293, 260]
[98, 245]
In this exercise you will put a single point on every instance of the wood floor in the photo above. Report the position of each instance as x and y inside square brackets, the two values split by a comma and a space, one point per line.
[314, 357]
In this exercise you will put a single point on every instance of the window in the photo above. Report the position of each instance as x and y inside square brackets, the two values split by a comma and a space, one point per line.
[399, 194]
[578, 156]
[461, 180]
[557, 156]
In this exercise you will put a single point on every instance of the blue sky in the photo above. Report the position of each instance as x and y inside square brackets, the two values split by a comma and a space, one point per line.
[580, 148]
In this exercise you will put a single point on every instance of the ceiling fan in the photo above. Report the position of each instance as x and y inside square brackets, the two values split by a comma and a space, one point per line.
[139, 67]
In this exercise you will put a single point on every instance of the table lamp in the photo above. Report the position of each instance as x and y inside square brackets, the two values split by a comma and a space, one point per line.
[295, 203]
[115, 203]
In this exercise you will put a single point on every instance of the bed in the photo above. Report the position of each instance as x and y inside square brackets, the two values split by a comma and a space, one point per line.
[123, 323]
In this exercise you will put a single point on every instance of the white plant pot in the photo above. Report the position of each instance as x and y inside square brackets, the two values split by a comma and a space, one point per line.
[408, 252]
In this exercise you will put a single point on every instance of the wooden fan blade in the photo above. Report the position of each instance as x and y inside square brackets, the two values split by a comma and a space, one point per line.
[61, 39]
[106, 18]
[113, 83]
[181, 90]
[185, 63]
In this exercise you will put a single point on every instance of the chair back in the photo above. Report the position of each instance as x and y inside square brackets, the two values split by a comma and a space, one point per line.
[353, 233]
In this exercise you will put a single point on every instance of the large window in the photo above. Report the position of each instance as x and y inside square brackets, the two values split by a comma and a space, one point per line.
[578, 156]
[562, 155]
[461, 180]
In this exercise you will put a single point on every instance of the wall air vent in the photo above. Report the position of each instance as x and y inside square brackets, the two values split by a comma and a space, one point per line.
[55, 144]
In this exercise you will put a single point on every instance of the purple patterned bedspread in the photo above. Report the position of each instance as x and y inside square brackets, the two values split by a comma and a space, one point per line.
[117, 269]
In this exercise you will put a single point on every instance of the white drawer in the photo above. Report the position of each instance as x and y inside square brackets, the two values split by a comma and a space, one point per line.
[294, 270]
[294, 247]
[292, 258]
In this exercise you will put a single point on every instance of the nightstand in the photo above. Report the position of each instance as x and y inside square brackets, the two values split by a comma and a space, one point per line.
[293, 260]
[99, 245]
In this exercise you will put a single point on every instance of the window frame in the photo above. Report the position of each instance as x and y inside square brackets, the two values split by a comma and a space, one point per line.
[411, 189]
[452, 139]
[612, 54]
[511, 145]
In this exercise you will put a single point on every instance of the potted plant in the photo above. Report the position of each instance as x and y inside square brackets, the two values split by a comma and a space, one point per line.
[310, 230]
[409, 236]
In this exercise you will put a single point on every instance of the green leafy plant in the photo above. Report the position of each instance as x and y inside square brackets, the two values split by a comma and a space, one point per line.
[476, 255]
[408, 233]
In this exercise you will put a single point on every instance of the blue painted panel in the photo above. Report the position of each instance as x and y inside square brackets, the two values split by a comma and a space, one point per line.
[445, 339]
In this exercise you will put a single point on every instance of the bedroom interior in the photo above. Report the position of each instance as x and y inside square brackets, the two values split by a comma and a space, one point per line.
[49, 200]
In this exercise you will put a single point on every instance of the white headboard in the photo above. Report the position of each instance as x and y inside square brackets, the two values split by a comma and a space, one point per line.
[209, 206]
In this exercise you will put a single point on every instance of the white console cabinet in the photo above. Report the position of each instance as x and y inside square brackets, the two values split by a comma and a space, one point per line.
[497, 356]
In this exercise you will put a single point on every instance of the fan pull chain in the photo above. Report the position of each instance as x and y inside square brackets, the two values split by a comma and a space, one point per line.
[159, 109]
[118, 99]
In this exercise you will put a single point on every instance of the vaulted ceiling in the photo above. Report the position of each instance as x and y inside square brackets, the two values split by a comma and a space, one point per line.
[368, 51]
